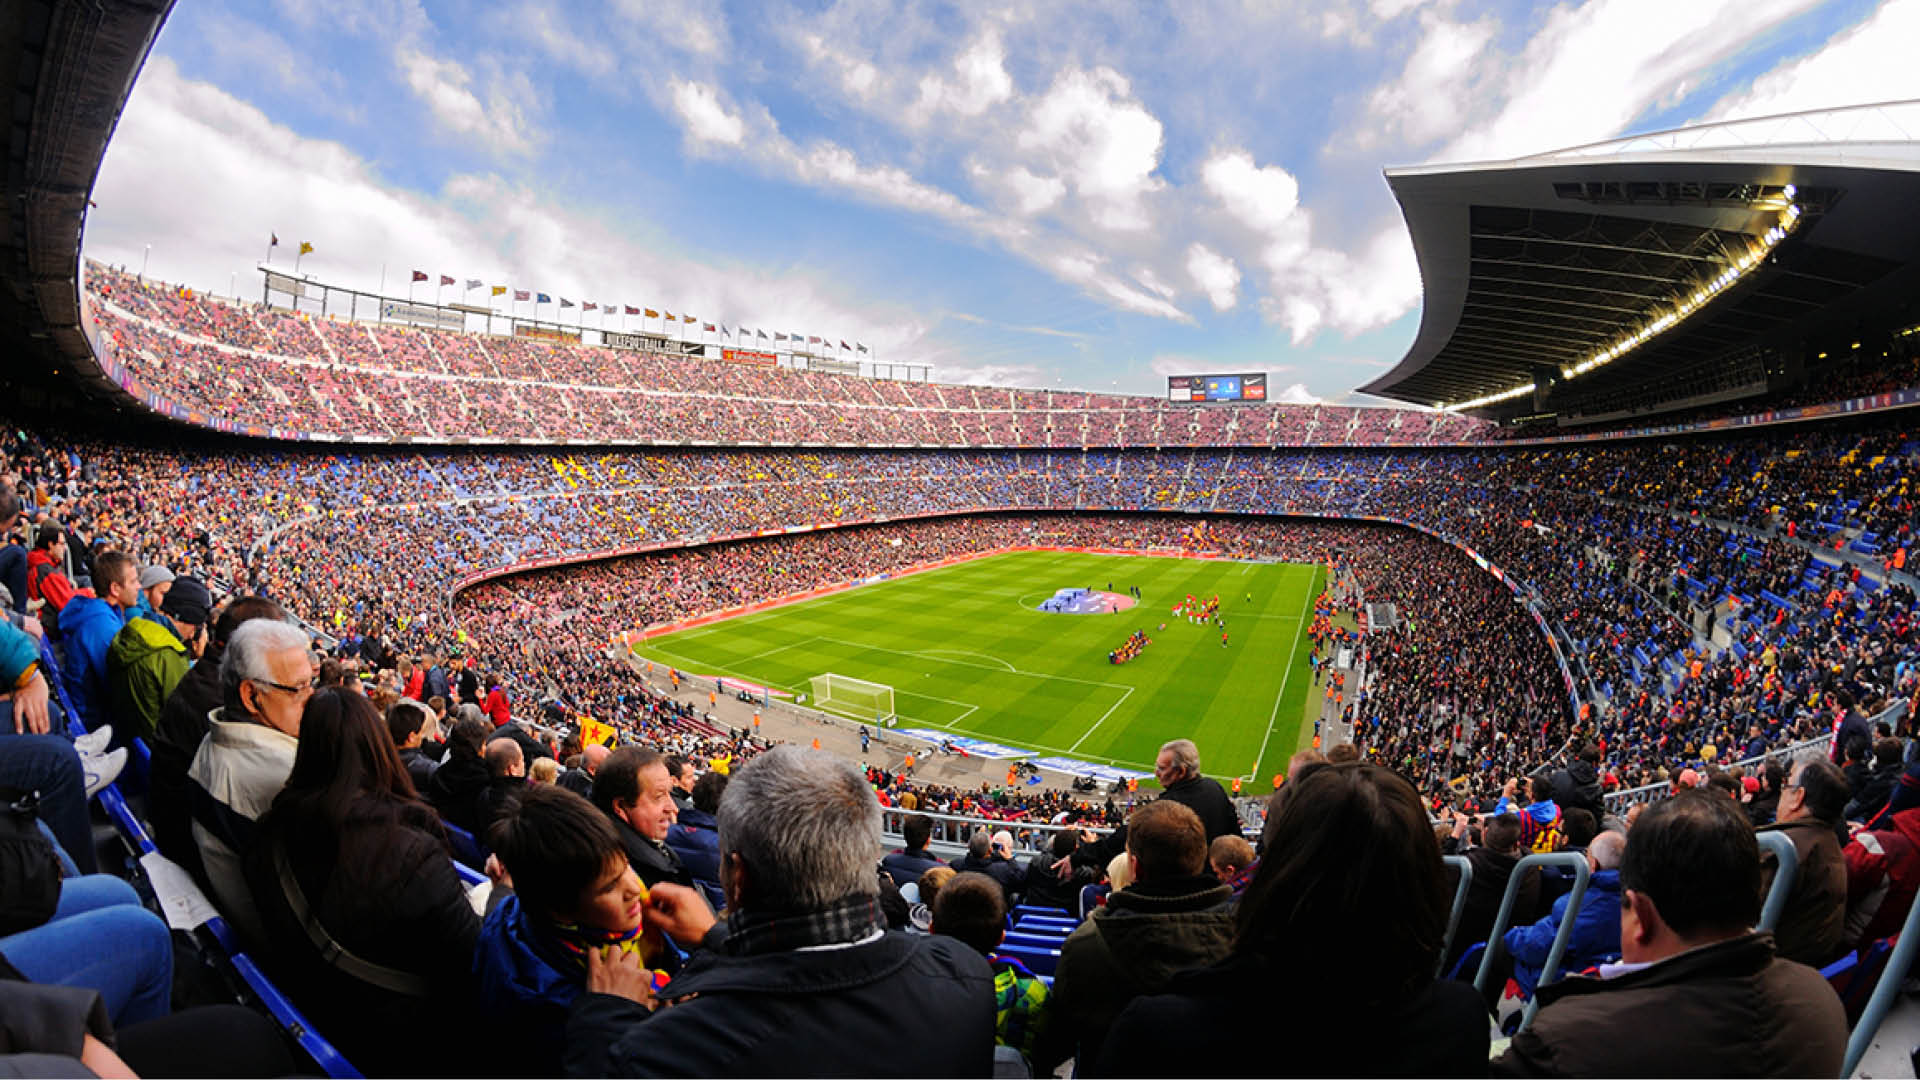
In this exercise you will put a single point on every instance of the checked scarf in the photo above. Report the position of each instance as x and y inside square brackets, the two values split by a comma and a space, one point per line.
[843, 922]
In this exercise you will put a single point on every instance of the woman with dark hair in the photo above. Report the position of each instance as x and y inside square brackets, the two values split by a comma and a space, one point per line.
[371, 930]
[1340, 931]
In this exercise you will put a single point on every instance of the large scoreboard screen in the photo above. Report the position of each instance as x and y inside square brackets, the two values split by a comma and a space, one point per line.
[1189, 388]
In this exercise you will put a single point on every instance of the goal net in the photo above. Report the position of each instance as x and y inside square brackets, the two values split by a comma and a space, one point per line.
[854, 698]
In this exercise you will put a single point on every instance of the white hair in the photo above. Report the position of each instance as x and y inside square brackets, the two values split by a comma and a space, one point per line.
[1186, 756]
[1607, 850]
[246, 657]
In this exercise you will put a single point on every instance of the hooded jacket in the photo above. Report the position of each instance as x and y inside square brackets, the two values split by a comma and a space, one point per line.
[695, 838]
[88, 625]
[1578, 785]
[1596, 933]
[524, 986]
[144, 664]
[1146, 934]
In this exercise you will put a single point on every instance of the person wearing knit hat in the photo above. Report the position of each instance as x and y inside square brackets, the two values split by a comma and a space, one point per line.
[154, 583]
[149, 656]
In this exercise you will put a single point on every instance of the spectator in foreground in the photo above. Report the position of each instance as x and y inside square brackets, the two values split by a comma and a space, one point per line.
[1351, 889]
[89, 625]
[1883, 875]
[985, 856]
[574, 893]
[407, 722]
[1493, 861]
[1046, 889]
[266, 678]
[1231, 858]
[1812, 927]
[365, 915]
[506, 779]
[1596, 926]
[972, 908]
[1172, 916]
[462, 778]
[801, 979]
[1697, 993]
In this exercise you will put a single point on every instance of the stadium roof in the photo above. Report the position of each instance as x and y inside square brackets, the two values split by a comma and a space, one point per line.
[69, 68]
[1611, 264]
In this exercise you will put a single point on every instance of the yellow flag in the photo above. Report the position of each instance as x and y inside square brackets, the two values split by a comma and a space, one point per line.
[306, 248]
[593, 731]
[499, 290]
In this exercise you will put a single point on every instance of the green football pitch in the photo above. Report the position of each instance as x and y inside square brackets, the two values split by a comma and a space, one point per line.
[967, 650]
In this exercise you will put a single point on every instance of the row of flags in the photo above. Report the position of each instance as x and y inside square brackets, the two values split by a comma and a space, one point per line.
[741, 334]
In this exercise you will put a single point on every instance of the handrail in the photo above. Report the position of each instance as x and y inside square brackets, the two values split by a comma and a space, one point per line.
[1885, 992]
[1783, 878]
[1460, 863]
[1581, 872]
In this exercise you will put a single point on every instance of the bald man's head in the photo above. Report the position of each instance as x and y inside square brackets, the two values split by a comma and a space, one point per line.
[592, 756]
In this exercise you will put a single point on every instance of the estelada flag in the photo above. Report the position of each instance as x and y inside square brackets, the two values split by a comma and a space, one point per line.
[593, 731]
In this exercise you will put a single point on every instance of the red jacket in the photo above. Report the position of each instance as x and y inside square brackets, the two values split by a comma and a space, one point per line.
[1883, 873]
[53, 587]
[496, 707]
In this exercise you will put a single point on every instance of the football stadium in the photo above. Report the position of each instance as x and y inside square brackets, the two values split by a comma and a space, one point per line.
[1435, 561]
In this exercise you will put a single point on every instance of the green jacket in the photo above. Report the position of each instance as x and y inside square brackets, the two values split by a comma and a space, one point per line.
[144, 663]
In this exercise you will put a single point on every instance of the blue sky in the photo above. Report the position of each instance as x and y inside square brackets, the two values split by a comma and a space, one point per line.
[1081, 194]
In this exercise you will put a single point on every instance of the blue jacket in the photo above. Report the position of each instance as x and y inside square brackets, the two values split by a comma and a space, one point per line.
[88, 626]
[1596, 933]
[696, 839]
[525, 987]
[18, 651]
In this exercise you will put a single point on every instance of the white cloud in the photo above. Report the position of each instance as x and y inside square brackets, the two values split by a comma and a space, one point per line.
[1297, 394]
[1423, 104]
[204, 178]
[1214, 274]
[1591, 69]
[979, 82]
[1089, 130]
[1263, 199]
[1869, 62]
[703, 117]
[445, 86]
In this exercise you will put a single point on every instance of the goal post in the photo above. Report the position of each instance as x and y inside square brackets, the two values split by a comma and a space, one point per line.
[854, 698]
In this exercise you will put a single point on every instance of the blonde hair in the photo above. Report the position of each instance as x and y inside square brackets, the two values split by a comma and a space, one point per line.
[1119, 873]
[544, 770]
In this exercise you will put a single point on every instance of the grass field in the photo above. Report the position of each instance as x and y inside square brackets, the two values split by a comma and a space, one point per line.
[967, 650]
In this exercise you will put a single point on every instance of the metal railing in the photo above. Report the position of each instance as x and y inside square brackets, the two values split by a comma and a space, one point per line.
[1573, 860]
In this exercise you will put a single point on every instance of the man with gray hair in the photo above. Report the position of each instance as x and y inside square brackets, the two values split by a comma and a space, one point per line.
[1178, 769]
[266, 676]
[802, 978]
[1596, 927]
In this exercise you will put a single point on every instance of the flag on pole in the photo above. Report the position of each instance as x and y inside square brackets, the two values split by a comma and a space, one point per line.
[306, 248]
[724, 331]
[652, 314]
[708, 327]
[474, 283]
[544, 299]
[779, 337]
[444, 279]
[499, 290]
[686, 318]
[273, 239]
[762, 333]
[631, 310]
[811, 340]
[419, 275]
[859, 346]
[589, 306]
[522, 294]
[564, 302]
[843, 345]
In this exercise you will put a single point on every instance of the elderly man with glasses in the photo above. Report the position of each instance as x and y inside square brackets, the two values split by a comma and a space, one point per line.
[266, 676]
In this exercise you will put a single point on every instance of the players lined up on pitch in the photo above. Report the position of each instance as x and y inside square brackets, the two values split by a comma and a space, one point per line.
[1135, 644]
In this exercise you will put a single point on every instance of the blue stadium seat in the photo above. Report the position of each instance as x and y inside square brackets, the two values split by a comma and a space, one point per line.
[1039, 960]
[466, 849]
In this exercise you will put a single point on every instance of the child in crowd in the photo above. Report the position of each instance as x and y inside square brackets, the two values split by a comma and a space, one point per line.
[972, 908]
[574, 891]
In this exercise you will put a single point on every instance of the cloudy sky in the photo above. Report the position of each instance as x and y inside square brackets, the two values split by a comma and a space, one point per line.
[1084, 194]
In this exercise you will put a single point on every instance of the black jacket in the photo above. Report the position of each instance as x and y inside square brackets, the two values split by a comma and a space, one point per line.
[456, 788]
[389, 895]
[1440, 1030]
[1011, 877]
[1578, 785]
[1490, 874]
[420, 767]
[183, 723]
[654, 863]
[1203, 796]
[492, 803]
[823, 1013]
